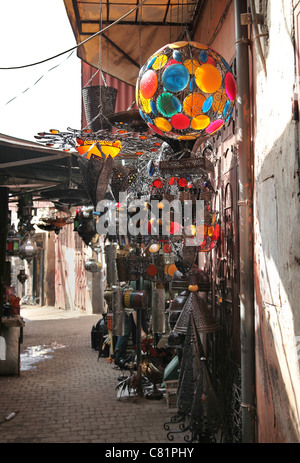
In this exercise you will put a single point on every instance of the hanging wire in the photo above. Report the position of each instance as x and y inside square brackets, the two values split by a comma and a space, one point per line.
[170, 40]
[39, 79]
[79, 44]
[100, 45]
[220, 23]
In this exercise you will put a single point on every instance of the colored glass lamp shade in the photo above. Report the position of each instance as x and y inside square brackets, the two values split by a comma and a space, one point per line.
[88, 147]
[186, 90]
[12, 246]
[212, 235]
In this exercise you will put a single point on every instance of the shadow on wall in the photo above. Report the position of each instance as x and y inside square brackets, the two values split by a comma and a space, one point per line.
[277, 290]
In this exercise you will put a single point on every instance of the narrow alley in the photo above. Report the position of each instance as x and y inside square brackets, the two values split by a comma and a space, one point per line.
[64, 394]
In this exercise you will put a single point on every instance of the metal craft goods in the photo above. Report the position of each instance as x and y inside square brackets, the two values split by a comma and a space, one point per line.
[179, 281]
[118, 311]
[135, 299]
[122, 268]
[158, 310]
[92, 265]
[176, 307]
[186, 165]
[137, 266]
[154, 247]
[99, 102]
[197, 307]
[186, 91]
[200, 278]
[111, 268]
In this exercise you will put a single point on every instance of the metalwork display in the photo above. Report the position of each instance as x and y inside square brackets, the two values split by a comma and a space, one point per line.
[199, 413]
[185, 92]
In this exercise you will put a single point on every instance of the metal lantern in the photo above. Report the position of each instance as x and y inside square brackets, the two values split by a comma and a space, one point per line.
[92, 266]
[28, 250]
[186, 90]
[158, 310]
[22, 276]
[111, 267]
[118, 311]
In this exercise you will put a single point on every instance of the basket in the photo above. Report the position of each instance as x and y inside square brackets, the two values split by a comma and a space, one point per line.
[171, 394]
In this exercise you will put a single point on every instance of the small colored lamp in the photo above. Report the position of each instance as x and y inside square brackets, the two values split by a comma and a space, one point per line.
[98, 148]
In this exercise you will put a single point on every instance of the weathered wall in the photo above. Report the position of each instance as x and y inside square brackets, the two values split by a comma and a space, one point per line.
[75, 288]
[276, 207]
[276, 228]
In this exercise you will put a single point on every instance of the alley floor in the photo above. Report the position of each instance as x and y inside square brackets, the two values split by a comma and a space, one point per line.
[65, 394]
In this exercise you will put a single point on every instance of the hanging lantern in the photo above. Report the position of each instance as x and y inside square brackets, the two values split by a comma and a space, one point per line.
[12, 245]
[186, 90]
[92, 266]
[28, 250]
[22, 276]
[13, 241]
[98, 148]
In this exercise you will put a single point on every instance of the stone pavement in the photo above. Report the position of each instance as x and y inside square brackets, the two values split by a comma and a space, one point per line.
[64, 394]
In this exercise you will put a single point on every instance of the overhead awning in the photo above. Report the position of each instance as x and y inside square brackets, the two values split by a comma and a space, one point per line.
[128, 40]
[28, 167]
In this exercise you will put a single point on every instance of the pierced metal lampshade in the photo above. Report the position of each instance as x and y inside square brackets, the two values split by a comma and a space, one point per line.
[197, 307]
[176, 307]
[28, 250]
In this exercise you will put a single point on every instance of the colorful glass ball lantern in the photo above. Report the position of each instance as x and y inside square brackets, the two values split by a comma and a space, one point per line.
[186, 90]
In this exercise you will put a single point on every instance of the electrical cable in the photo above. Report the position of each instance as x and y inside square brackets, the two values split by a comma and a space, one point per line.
[39, 79]
[220, 23]
[79, 44]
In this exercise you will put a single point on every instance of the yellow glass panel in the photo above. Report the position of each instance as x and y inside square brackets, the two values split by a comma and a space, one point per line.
[208, 78]
[108, 148]
[219, 100]
[186, 137]
[145, 103]
[160, 62]
[193, 103]
[191, 65]
[163, 124]
[200, 122]
[198, 45]
[177, 44]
